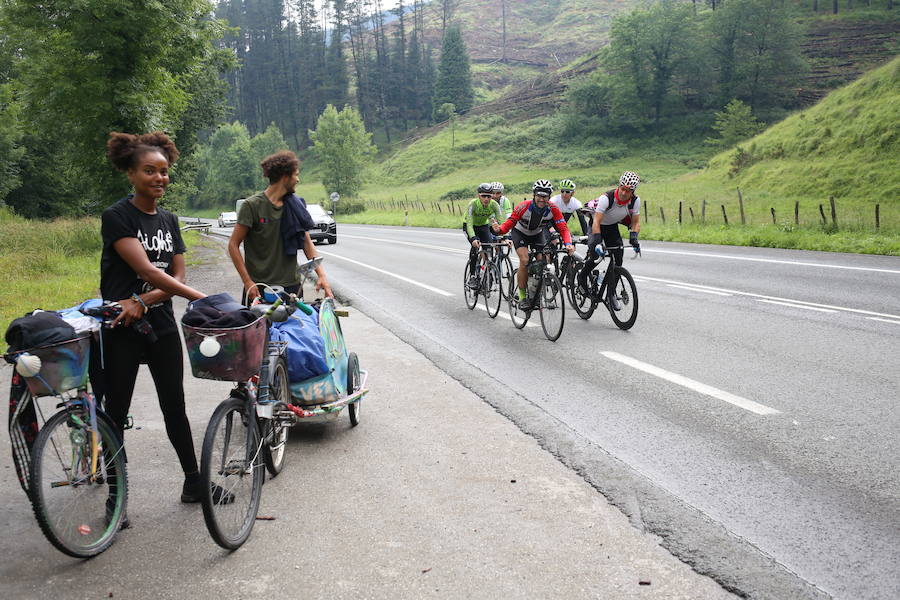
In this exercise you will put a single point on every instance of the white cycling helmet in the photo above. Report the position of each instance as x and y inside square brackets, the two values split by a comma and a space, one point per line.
[497, 186]
[542, 186]
[630, 180]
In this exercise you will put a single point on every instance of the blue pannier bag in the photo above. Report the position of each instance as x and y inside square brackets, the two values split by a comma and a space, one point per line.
[305, 352]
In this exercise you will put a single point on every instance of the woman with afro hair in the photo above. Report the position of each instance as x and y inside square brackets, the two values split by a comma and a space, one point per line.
[142, 267]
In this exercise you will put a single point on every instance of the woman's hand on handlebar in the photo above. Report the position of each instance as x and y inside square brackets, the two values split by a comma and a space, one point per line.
[132, 310]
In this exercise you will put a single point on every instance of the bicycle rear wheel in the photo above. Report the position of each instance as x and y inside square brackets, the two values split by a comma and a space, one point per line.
[276, 430]
[491, 287]
[518, 317]
[470, 294]
[582, 298]
[552, 305]
[79, 508]
[232, 473]
[626, 293]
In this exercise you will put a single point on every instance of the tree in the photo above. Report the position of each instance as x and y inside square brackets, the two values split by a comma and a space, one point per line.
[344, 149]
[454, 79]
[84, 69]
[734, 124]
[648, 48]
[756, 53]
[10, 137]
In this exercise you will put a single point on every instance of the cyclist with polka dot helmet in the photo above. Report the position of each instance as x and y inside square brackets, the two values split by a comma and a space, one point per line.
[617, 206]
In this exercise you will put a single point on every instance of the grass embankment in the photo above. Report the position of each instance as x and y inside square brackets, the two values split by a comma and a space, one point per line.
[50, 264]
[846, 146]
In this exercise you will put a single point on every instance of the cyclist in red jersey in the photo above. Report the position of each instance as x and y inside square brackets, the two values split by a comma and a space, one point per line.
[527, 223]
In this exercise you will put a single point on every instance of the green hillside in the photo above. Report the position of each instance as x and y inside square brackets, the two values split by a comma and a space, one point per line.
[846, 146]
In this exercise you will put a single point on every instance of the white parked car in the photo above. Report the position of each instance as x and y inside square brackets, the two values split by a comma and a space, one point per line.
[227, 219]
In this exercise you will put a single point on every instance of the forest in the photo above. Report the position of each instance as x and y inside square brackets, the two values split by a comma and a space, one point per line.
[235, 79]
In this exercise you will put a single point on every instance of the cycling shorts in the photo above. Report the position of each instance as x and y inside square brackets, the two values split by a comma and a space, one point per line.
[520, 240]
[484, 233]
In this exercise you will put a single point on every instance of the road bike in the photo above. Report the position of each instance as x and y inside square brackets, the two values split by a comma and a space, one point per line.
[74, 471]
[545, 294]
[590, 290]
[487, 282]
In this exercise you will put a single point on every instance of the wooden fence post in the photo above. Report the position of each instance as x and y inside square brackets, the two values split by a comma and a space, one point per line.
[662, 215]
[679, 212]
[703, 212]
[877, 216]
[691, 210]
[724, 214]
[822, 212]
[741, 204]
[773, 216]
[833, 211]
[797, 213]
[646, 212]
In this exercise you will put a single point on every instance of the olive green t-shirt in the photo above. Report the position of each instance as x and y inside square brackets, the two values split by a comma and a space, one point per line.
[263, 249]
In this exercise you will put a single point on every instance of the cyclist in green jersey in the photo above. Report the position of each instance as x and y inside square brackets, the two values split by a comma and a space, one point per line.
[506, 206]
[478, 225]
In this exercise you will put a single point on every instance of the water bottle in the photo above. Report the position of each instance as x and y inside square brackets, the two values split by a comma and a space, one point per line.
[532, 285]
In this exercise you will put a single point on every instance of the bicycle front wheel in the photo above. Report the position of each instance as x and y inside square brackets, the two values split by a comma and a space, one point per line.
[626, 293]
[79, 490]
[232, 472]
[506, 275]
[469, 292]
[518, 316]
[491, 287]
[552, 305]
[276, 430]
[583, 300]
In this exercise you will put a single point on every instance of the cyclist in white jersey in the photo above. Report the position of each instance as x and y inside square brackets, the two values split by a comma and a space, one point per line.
[568, 204]
[620, 205]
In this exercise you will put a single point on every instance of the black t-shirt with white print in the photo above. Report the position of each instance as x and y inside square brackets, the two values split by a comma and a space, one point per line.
[160, 236]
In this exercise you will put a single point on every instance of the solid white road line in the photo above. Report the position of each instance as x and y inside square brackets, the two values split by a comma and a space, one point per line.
[752, 295]
[792, 305]
[708, 390]
[400, 277]
[883, 320]
[773, 260]
[696, 289]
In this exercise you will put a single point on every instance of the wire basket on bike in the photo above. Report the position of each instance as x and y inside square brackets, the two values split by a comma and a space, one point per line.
[63, 366]
[232, 354]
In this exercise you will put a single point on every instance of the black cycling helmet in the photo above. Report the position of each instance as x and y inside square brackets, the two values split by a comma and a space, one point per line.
[485, 188]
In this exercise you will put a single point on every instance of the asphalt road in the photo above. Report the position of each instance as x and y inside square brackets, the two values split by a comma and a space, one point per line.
[747, 417]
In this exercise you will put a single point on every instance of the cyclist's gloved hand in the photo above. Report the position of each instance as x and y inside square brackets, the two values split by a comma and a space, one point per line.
[633, 240]
[593, 241]
[475, 242]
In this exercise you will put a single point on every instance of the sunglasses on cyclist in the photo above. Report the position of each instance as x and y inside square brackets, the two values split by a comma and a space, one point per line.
[484, 195]
[566, 191]
[542, 195]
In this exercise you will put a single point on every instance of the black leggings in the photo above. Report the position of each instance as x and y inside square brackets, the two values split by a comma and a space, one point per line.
[485, 236]
[611, 239]
[123, 351]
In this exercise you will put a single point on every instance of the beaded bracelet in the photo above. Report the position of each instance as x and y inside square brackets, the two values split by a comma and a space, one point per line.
[137, 298]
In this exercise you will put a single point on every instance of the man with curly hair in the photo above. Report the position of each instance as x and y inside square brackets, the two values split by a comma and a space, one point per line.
[270, 254]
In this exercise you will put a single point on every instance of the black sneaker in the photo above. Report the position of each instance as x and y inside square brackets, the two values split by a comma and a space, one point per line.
[474, 284]
[525, 304]
[192, 492]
